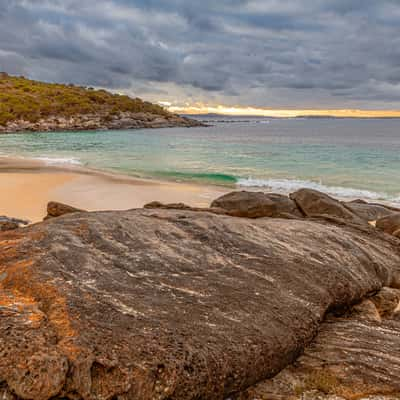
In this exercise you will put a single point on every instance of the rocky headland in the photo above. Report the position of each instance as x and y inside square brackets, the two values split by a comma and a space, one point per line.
[260, 296]
[31, 106]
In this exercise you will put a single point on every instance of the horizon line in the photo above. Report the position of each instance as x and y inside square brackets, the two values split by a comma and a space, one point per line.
[283, 112]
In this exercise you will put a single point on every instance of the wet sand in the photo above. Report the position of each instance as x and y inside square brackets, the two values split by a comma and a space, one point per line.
[27, 186]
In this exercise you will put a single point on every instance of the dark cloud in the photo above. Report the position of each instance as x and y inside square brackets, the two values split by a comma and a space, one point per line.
[262, 52]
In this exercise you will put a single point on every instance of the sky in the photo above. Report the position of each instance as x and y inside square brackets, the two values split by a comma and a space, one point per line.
[199, 54]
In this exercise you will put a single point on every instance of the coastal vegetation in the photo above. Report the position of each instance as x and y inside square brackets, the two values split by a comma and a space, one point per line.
[28, 100]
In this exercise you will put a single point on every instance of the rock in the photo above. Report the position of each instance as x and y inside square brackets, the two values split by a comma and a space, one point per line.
[256, 205]
[56, 209]
[180, 305]
[397, 233]
[367, 310]
[396, 316]
[8, 224]
[315, 204]
[351, 358]
[368, 211]
[172, 206]
[386, 301]
[182, 206]
[389, 224]
[98, 120]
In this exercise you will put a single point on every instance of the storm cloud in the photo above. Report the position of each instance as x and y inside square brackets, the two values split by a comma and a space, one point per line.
[267, 53]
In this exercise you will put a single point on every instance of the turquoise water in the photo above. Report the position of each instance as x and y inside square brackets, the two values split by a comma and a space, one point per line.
[354, 158]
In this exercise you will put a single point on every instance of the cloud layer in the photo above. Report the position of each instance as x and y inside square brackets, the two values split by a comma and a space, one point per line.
[299, 53]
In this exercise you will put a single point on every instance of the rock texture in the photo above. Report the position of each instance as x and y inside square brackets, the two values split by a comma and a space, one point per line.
[353, 357]
[124, 120]
[8, 224]
[317, 204]
[369, 211]
[257, 205]
[56, 209]
[389, 224]
[164, 304]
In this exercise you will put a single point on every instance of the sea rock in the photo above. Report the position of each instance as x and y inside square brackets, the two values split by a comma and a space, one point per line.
[315, 204]
[7, 224]
[98, 120]
[367, 310]
[256, 205]
[389, 224]
[369, 211]
[56, 209]
[173, 304]
[182, 206]
[387, 301]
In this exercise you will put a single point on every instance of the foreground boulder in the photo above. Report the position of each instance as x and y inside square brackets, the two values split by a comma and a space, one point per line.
[390, 224]
[178, 305]
[56, 209]
[317, 204]
[257, 205]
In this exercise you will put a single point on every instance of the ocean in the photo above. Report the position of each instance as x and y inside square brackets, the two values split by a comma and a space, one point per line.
[343, 157]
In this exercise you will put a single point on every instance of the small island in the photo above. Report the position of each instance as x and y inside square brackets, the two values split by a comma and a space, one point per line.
[27, 105]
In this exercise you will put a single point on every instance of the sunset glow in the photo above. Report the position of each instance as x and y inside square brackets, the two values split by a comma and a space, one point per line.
[284, 113]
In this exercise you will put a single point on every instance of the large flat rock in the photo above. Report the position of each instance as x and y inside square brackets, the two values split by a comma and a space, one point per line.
[164, 304]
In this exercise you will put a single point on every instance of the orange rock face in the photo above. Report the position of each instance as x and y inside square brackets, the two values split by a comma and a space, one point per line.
[172, 304]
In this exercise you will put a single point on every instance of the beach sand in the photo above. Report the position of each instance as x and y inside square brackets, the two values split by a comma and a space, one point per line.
[27, 186]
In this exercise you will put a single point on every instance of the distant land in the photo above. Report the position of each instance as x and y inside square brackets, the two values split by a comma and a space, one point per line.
[238, 111]
[27, 105]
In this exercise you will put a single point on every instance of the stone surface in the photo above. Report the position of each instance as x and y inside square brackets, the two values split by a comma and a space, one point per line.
[256, 205]
[56, 209]
[7, 224]
[182, 206]
[315, 204]
[123, 120]
[369, 211]
[164, 304]
[390, 224]
[387, 301]
[351, 358]
[367, 310]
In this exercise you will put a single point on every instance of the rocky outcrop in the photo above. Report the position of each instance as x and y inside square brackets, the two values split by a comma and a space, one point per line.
[390, 224]
[8, 224]
[98, 121]
[56, 209]
[317, 204]
[175, 304]
[369, 211]
[257, 205]
[354, 356]
[182, 206]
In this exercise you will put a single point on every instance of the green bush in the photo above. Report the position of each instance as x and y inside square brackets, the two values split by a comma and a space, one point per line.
[21, 98]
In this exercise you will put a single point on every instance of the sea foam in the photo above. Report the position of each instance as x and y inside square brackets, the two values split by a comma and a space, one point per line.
[59, 161]
[290, 185]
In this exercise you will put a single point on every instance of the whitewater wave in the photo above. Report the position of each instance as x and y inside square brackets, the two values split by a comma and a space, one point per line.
[289, 185]
[58, 161]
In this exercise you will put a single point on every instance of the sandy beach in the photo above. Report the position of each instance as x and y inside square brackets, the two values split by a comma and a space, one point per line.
[27, 186]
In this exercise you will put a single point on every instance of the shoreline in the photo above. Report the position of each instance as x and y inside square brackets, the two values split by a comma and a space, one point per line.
[26, 186]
